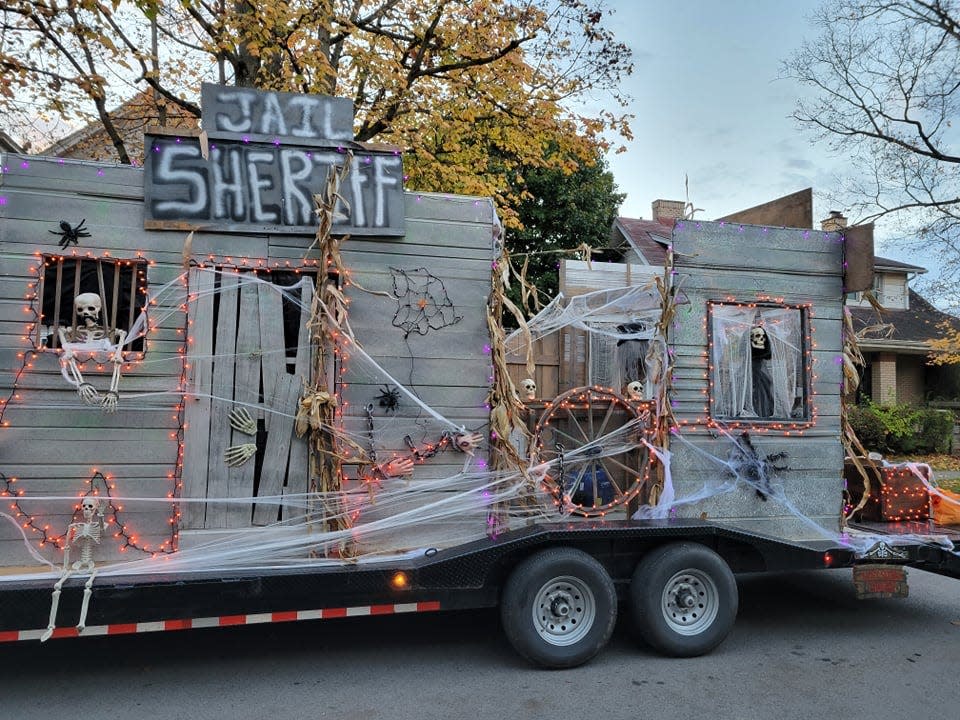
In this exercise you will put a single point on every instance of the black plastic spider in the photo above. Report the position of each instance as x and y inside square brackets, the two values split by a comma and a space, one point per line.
[755, 469]
[70, 234]
[389, 398]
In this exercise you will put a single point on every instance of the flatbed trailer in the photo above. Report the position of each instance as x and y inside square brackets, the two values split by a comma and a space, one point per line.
[465, 577]
[231, 416]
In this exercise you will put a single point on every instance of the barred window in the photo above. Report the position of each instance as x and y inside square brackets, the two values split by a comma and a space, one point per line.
[121, 286]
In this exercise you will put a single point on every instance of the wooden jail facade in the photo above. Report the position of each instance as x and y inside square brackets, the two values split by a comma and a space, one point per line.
[226, 328]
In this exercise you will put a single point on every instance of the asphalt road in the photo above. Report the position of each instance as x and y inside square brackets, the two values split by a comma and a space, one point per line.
[802, 647]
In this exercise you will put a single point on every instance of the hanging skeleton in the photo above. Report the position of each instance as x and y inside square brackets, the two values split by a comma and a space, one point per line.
[85, 535]
[89, 335]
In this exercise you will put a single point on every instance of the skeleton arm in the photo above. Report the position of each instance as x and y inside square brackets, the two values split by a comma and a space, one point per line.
[86, 391]
[112, 396]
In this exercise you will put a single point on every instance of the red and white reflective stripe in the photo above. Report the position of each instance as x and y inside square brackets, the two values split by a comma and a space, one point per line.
[224, 621]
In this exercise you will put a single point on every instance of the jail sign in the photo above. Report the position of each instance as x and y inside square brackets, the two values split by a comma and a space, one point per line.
[266, 155]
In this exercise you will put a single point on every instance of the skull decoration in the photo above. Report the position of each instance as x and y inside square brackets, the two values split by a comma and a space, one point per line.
[88, 306]
[88, 507]
[529, 388]
[758, 338]
[634, 390]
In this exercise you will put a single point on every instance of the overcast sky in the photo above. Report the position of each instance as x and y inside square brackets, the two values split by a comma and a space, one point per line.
[708, 104]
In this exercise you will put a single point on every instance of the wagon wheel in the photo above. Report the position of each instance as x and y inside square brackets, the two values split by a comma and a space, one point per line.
[591, 439]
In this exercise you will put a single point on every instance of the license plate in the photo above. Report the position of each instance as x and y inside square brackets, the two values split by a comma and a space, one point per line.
[880, 581]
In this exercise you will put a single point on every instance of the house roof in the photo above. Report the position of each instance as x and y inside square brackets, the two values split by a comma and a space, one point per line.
[921, 322]
[8, 144]
[131, 118]
[648, 237]
[881, 263]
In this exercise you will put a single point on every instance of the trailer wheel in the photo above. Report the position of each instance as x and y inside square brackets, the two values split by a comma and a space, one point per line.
[558, 608]
[684, 599]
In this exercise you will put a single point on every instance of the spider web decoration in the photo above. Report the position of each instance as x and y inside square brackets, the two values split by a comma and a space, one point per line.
[747, 464]
[422, 302]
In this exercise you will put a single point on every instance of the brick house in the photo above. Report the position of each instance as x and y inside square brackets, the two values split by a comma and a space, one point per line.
[131, 119]
[898, 368]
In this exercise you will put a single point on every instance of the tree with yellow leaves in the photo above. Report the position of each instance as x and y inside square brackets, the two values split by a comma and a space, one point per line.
[474, 91]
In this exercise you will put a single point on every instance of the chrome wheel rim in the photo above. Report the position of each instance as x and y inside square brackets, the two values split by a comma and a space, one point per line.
[564, 610]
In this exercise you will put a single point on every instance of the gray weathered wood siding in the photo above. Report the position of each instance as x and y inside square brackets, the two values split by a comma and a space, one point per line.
[53, 443]
[50, 441]
[724, 262]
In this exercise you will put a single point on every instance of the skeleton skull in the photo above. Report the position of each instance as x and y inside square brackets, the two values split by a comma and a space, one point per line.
[88, 307]
[88, 506]
[529, 388]
[634, 390]
[758, 338]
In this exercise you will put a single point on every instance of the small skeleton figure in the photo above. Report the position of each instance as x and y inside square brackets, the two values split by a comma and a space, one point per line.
[529, 388]
[86, 534]
[634, 391]
[90, 336]
[467, 442]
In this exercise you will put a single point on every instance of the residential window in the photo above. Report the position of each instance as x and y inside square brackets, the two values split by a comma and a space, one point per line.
[120, 289]
[759, 360]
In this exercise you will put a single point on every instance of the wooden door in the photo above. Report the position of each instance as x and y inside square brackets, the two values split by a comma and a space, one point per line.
[249, 348]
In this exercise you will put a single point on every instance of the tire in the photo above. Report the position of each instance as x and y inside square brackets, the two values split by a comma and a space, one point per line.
[558, 608]
[684, 599]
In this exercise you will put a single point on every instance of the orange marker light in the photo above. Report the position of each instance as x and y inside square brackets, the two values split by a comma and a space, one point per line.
[400, 581]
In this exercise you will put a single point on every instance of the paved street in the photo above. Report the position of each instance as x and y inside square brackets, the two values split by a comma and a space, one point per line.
[803, 647]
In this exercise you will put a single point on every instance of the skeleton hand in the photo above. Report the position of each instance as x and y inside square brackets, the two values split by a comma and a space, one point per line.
[467, 442]
[237, 455]
[398, 467]
[110, 401]
[88, 393]
[241, 421]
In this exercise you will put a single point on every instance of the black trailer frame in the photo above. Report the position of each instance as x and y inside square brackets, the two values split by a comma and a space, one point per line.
[462, 577]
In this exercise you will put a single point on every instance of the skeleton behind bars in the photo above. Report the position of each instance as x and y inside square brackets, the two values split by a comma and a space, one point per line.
[90, 336]
[85, 535]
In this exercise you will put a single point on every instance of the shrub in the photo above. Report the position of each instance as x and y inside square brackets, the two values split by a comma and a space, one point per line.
[936, 431]
[869, 427]
[901, 428]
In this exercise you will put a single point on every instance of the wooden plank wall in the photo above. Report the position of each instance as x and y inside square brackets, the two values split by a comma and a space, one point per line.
[795, 267]
[52, 443]
[50, 440]
[447, 367]
[546, 358]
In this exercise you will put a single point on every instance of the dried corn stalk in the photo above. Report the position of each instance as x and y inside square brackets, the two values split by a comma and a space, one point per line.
[329, 330]
[505, 406]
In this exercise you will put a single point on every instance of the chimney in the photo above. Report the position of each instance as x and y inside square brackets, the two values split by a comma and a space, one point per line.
[667, 210]
[836, 221]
